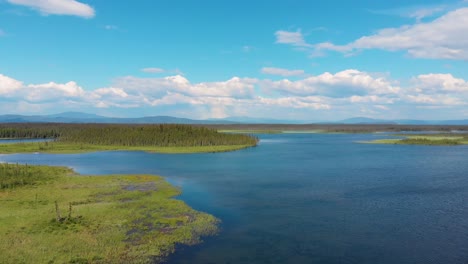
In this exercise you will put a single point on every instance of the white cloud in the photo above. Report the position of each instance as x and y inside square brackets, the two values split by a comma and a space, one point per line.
[435, 100]
[281, 71]
[234, 87]
[334, 96]
[371, 99]
[341, 84]
[53, 91]
[153, 70]
[437, 83]
[294, 38]
[442, 38]
[8, 86]
[310, 102]
[58, 7]
[419, 14]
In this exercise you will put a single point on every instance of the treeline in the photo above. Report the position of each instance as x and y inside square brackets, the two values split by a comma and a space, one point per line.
[340, 128]
[162, 135]
[33, 131]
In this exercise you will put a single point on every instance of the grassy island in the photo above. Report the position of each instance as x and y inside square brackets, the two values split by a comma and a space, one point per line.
[163, 138]
[51, 215]
[427, 139]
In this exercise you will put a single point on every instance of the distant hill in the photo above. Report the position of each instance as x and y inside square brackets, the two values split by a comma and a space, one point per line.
[78, 117]
[253, 120]
[365, 120]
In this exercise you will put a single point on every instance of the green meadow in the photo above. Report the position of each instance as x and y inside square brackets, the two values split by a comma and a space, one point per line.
[52, 215]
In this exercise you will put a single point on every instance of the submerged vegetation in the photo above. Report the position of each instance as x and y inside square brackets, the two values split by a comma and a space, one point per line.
[50, 215]
[427, 139]
[167, 138]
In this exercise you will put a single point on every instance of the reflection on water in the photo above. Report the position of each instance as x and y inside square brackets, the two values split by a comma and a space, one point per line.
[312, 198]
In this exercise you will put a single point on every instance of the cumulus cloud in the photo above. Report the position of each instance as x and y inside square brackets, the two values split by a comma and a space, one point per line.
[281, 71]
[341, 84]
[345, 93]
[9, 86]
[442, 38]
[58, 7]
[53, 91]
[437, 83]
[234, 87]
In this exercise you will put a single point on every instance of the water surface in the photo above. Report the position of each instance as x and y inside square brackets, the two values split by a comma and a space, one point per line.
[312, 198]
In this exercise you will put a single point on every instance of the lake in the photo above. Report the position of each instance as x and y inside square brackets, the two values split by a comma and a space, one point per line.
[311, 198]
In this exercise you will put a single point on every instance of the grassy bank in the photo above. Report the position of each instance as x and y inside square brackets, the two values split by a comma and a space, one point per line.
[51, 215]
[432, 139]
[68, 148]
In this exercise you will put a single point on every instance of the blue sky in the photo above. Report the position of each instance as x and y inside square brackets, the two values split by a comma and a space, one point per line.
[301, 60]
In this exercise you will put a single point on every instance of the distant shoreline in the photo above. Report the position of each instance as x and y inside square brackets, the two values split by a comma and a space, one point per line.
[424, 139]
[333, 128]
[72, 148]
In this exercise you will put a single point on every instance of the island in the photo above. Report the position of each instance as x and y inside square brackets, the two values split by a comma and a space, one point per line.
[161, 138]
[53, 215]
[445, 139]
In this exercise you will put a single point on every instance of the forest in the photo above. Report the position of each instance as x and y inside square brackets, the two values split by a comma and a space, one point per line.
[160, 135]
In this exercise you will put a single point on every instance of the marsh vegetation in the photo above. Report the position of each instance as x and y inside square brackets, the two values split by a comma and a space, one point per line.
[427, 139]
[51, 215]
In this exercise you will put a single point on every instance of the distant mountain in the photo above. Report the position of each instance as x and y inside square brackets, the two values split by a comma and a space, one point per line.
[78, 117]
[365, 120]
[253, 120]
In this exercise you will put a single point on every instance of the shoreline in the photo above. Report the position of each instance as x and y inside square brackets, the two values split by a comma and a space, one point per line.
[424, 140]
[99, 219]
[73, 148]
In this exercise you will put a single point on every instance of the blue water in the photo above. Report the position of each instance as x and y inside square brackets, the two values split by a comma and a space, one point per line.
[312, 198]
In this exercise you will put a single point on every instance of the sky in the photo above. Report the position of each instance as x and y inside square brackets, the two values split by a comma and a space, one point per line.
[289, 60]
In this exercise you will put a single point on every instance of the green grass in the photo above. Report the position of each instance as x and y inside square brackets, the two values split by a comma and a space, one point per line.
[101, 219]
[15, 175]
[433, 140]
[67, 148]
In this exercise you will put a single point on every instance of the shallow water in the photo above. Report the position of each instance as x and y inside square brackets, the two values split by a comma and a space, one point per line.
[312, 198]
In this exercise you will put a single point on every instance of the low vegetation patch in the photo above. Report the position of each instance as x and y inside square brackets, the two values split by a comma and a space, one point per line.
[428, 139]
[50, 215]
